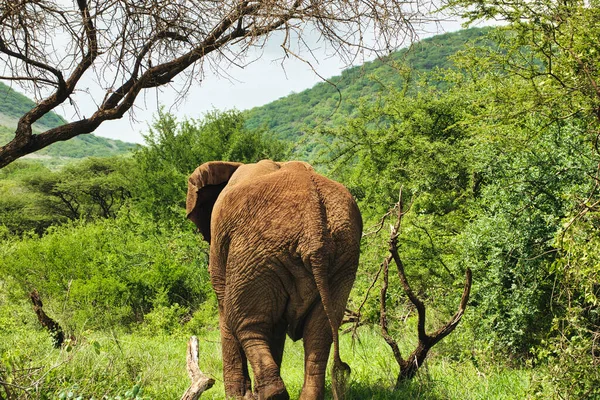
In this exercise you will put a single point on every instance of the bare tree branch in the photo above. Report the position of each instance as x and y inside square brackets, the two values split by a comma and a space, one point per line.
[409, 366]
[51, 325]
[51, 47]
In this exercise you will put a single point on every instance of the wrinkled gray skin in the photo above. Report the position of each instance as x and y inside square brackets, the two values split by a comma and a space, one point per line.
[284, 248]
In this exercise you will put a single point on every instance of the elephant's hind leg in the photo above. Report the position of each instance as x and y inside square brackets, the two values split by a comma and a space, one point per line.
[261, 333]
[235, 367]
[268, 383]
[317, 344]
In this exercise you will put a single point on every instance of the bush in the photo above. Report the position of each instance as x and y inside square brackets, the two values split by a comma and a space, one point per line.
[109, 272]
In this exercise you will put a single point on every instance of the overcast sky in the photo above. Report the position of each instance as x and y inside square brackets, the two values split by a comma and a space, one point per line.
[259, 83]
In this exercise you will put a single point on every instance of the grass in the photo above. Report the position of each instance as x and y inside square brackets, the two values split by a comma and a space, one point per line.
[106, 365]
[113, 364]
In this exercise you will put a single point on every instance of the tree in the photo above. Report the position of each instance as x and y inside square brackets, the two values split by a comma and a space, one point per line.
[552, 45]
[48, 46]
[33, 198]
[93, 188]
[175, 148]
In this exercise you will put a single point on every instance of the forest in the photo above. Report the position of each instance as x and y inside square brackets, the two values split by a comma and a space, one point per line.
[494, 147]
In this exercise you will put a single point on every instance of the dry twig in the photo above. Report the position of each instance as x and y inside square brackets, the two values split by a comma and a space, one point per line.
[200, 382]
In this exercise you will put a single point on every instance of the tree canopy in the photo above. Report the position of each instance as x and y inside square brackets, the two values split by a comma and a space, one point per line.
[127, 46]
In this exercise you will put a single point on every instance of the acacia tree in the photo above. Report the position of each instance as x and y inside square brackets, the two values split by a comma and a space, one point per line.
[551, 44]
[51, 46]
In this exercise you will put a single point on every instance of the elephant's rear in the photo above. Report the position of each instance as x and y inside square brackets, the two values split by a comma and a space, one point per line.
[286, 220]
[334, 248]
[284, 252]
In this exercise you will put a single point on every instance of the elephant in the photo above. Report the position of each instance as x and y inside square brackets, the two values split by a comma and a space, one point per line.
[284, 249]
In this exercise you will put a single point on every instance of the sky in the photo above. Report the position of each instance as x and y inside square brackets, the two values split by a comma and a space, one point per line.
[256, 84]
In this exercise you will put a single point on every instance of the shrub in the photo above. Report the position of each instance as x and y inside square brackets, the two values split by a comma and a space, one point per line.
[108, 272]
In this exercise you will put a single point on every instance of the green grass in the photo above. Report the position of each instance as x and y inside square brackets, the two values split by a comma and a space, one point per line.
[106, 364]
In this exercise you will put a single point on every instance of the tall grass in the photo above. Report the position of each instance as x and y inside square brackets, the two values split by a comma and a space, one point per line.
[111, 365]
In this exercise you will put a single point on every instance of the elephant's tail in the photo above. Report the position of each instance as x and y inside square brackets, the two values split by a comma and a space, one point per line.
[321, 263]
[340, 370]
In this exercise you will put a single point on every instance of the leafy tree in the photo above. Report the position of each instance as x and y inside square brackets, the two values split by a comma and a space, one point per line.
[95, 187]
[413, 142]
[17, 204]
[551, 45]
[550, 50]
[36, 197]
[174, 149]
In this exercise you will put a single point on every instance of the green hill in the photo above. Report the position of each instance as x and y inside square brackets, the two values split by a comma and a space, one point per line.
[13, 105]
[289, 116]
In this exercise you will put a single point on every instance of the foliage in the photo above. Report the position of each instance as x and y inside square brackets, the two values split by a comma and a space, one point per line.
[174, 149]
[552, 46]
[17, 204]
[486, 190]
[549, 49]
[413, 143]
[109, 272]
[571, 346]
[92, 188]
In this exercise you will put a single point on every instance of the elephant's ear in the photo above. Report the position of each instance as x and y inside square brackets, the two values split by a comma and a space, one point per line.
[204, 186]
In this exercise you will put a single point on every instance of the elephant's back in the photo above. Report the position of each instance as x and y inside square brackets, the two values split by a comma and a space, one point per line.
[283, 201]
[271, 221]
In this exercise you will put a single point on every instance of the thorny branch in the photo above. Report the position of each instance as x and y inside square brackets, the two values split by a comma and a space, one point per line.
[383, 266]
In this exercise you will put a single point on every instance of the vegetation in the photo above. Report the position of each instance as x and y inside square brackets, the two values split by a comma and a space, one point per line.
[331, 103]
[14, 105]
[497, 161]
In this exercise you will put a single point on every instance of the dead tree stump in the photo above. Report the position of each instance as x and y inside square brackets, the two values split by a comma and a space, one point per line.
[200, 382]
[51, 325]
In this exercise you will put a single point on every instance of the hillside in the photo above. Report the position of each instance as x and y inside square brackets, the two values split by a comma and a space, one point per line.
[291, 115]
[13, 105]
